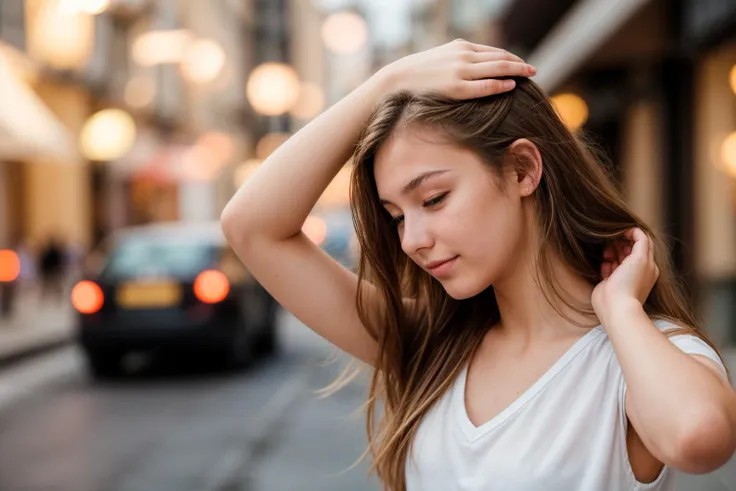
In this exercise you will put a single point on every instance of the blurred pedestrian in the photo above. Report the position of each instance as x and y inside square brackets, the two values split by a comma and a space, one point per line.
[525, 328]
[52, 261]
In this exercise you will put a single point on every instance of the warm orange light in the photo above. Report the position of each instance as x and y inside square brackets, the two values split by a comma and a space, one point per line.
[87, 297]
[572, 108]
[211, 286]
[9, 266]
[315, 228]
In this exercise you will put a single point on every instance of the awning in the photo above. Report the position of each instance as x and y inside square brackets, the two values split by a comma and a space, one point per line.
[27, 127]
[578, 35]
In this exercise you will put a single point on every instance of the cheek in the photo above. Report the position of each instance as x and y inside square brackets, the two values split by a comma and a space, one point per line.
[490, 237]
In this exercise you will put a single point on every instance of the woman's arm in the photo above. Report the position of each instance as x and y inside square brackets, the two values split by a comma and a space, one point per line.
[263, 220]
[680, 405]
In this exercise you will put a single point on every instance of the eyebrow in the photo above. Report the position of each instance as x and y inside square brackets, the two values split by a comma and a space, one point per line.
[417, 181]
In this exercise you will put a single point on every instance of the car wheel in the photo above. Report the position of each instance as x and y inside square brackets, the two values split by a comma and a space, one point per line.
[268, 342]
[239, 352]
[103, 365]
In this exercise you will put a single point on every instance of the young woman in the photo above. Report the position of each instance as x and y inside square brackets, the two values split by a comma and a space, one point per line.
[525, 327]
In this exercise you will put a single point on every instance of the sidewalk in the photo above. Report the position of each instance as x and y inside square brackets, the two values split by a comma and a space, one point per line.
[35, 325]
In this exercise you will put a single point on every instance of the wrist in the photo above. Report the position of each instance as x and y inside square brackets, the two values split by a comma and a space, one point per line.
[385, 81]
[619, 308]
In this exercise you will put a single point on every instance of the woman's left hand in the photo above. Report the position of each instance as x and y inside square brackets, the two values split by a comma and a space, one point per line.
[629, 273]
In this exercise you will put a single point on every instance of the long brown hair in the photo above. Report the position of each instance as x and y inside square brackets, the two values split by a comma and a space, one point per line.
[425, 337]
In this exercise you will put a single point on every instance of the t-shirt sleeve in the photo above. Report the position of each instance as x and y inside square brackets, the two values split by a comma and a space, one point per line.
[688, 343]
[692, 345]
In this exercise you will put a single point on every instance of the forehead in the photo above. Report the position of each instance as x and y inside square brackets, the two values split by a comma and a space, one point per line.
[412, 152]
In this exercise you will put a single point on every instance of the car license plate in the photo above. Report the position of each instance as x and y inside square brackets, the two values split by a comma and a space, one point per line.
[149, 295]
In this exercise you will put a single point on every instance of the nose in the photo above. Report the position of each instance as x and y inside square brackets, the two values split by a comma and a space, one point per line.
[415, 235]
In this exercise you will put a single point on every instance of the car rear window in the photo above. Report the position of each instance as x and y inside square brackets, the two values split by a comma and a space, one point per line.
[144, 257]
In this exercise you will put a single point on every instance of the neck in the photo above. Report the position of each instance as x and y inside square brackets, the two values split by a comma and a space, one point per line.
[526, 314]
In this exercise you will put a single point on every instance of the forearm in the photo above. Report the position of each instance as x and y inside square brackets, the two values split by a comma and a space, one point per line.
[277, 199]
[674, 401]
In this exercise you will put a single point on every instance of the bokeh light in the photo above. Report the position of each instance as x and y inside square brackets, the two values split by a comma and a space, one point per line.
[310, 103]
[61, 39]
[245, 170]
[732, 78]
[572, 110]
[159, 47]
[203, 61]
[9, 265]
[728, 154]
[92, 7]
[269, 143]
[87, 297]
[315, 229]
[107, 135]
[220, 145]
[273, 88]
[140, 91]
[211, 286]
[344, 32]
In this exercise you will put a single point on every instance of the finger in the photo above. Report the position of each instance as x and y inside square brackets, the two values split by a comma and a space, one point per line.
[481, 88]
[641, 241]
[481, 56]
[618, 252]
[651, 253]
[482, 47]
[494, 69]
[609, 253]
[606, 269]
[615, 265]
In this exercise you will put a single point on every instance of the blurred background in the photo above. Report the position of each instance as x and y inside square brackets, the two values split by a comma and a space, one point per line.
[126, 126]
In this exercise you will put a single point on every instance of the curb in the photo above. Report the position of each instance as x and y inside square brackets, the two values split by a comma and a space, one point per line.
[30, 351]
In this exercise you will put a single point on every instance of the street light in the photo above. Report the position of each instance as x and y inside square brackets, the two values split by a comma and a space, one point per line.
[572, 110]
[344, 32]
[273, 88]
[107, 135]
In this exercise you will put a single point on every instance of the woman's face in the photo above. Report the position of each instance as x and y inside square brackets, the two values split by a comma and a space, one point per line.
[450, 214]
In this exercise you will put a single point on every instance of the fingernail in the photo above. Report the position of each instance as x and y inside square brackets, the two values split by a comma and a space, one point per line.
[532, 69]
[509, 84]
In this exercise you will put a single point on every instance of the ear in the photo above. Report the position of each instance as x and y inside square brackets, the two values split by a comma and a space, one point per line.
[527, 166]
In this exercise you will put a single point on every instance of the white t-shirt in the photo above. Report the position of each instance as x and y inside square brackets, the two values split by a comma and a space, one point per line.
[565, 433]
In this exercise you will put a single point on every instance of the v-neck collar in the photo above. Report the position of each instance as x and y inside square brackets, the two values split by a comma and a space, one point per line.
[473, 432]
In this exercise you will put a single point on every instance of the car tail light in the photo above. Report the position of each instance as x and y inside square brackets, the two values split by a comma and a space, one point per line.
[9, 265]
[87, 297]
[211, 286]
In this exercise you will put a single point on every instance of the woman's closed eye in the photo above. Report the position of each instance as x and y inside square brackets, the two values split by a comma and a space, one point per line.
[436, 200]
[432, 202]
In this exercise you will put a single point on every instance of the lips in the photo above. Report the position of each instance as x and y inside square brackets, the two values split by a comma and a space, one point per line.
[441, 267]
[435, 264]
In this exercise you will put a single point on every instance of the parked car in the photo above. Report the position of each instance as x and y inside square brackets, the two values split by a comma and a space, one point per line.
[172, 289]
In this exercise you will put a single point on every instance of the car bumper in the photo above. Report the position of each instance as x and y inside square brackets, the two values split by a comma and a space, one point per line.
[158, 330]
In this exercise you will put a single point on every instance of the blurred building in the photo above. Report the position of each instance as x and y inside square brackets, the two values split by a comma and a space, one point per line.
[120, 112]
[42, 175]
[654, 81]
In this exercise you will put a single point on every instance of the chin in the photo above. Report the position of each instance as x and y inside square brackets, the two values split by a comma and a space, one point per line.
[464, 288]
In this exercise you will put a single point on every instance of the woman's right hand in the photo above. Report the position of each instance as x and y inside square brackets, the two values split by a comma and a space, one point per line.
[459, 69]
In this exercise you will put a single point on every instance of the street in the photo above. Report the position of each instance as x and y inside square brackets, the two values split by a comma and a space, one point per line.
[263, 429]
